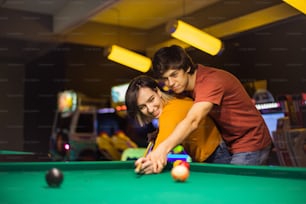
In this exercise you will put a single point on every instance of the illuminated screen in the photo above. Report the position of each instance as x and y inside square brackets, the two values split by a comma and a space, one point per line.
[271, 112]
[118, 93]
[67, 101]
[271, 120]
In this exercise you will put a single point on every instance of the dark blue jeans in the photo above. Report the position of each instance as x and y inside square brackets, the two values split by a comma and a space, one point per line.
[259, 157]
[220, 156]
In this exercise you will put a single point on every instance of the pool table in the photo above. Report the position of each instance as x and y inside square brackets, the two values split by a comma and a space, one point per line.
[18, 156]
[115, 182]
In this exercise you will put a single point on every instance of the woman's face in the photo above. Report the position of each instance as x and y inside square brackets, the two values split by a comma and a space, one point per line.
[149, 102]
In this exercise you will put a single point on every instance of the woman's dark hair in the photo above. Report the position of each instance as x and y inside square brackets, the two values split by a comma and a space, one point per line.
[173, 57]
[131, 96]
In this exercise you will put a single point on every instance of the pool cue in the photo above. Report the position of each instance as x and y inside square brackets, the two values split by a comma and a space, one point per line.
[149, 147]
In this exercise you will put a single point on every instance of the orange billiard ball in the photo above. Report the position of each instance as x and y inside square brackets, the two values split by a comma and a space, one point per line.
[180, 173]
[177, 162]
[181, 162]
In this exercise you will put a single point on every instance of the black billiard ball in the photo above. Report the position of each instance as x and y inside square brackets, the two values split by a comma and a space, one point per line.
[54, 177]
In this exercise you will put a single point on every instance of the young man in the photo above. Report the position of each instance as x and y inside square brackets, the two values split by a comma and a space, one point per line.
[220, 95]
[145, 101]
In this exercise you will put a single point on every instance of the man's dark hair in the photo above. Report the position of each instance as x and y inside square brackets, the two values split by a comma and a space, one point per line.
[173, 57]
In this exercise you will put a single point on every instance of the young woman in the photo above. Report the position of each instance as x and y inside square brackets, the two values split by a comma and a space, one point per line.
[146, 101]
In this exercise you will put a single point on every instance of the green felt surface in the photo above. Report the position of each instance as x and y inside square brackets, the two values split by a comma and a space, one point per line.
[116, 182]
[14, 152]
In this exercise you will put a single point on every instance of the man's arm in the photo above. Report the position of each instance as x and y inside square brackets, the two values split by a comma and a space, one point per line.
[197, 112]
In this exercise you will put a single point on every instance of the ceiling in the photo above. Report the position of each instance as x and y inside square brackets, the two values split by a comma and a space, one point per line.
[32, 28]
[135, 24]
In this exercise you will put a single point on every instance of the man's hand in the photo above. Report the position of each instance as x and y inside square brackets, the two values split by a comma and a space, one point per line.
[143, 166]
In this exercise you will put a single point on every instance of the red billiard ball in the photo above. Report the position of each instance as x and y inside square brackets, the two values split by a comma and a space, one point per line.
[54, 177]
[180, 173]
[181, 162]
[186, 164]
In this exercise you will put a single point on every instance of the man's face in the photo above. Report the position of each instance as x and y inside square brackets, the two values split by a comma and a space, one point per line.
[176, 80]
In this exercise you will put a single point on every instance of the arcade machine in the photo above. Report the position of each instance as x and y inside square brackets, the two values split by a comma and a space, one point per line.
[283, 119]
[74, 130]
[83, 130]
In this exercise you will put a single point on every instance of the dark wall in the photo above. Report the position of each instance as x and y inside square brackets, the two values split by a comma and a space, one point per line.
[44, 78]
[276, 53]
[11, 106]
[92, 73]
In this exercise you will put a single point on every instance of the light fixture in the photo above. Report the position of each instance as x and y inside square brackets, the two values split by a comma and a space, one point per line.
[298, 4]
[129, 58]
[195, 37]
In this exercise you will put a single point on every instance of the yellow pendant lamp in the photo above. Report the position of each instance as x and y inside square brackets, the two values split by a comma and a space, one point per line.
[129, 58]
[195, 37]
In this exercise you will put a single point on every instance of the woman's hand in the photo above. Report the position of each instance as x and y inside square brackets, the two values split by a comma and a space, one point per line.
[144, 166]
